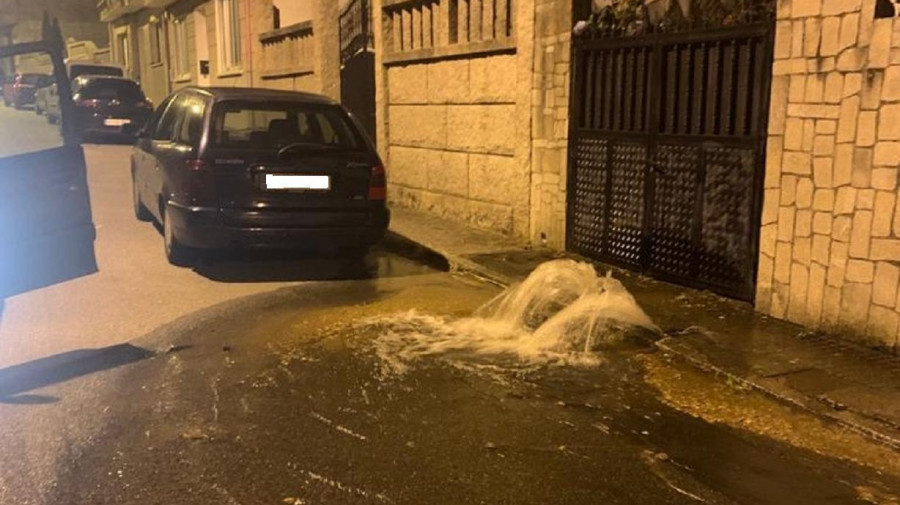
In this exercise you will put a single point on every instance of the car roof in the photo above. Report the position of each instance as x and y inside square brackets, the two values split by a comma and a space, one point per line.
[89, 63]
[223, 93]
[90, 77]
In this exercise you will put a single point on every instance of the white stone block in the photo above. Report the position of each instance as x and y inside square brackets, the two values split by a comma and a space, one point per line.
[889, 122]
[821, 248]
[880, 43]
[884, 289]
[861, 234]
[860, 271]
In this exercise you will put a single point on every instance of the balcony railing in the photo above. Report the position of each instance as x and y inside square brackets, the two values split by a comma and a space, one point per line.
[433, 29]
[288, 51]
[114, 9]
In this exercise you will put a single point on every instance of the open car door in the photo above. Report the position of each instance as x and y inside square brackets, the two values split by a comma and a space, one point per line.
[46, 228]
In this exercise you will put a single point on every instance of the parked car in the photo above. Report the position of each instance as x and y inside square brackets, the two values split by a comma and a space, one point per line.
[106, 105]
[247, 168]
[18, 91]
[42, 95]
[75, 68]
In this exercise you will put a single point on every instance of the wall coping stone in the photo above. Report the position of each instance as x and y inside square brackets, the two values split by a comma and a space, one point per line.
[457, 51]
[282, 33]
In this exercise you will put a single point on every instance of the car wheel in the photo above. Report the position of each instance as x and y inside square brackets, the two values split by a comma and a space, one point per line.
[140, 211]
[176, 253]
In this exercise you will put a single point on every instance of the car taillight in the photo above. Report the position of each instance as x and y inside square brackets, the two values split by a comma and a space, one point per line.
[87, 103]
[201, 182]
[378, 183]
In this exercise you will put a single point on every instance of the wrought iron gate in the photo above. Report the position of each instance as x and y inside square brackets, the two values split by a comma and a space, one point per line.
[667, 154]
[358, 63]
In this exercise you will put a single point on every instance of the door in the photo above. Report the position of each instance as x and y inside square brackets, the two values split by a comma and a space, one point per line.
[142, 157]
[667, 154]
[201, 39]
[358, 63]
[163, 155]
[45, 210]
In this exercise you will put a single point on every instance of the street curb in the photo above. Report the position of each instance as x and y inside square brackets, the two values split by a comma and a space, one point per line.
[403, 246]
[806, 406]
[442, 260]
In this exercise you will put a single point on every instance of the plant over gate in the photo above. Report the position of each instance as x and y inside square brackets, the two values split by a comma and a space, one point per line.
[667, 153]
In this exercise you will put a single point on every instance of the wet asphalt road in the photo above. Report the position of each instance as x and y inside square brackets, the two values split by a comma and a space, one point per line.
[282, 399]
[135, 292]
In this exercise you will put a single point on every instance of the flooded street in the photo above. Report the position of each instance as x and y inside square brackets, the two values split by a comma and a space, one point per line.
[289, 399]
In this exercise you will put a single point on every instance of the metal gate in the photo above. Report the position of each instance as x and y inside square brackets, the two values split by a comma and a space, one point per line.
[358, 63]
[667, 153]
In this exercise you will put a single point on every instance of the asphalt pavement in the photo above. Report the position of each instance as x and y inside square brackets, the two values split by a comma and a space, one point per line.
[46, 335]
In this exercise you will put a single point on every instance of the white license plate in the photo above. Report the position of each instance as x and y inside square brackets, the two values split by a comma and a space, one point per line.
[317, 182]
[117, 122]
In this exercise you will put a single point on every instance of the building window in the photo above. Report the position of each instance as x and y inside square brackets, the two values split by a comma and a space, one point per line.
[228, 24]
[181, 66]
[156, 43]
[123, 48]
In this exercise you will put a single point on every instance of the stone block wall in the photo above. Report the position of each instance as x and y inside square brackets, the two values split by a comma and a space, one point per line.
[453, 110]
[550, 121]
[830, 238]
[453, 138]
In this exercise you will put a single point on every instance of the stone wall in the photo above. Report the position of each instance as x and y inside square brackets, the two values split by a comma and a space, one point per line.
[550, 114]
[453, 140]
[454, 116]
[830, 238]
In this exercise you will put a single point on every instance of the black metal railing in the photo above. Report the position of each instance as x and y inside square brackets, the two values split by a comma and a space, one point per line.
[356, 29]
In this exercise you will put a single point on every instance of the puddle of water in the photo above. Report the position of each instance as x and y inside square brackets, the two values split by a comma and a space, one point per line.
[563, 313]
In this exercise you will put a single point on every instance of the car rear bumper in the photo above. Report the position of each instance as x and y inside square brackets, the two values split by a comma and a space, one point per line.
[96, 124]
[204, 228]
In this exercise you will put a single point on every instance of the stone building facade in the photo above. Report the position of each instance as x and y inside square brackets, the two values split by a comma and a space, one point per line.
[167, 45]
[830, 237]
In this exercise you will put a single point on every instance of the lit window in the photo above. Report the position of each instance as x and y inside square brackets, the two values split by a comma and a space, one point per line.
[181, 66]
[228, 21]
[155, 43]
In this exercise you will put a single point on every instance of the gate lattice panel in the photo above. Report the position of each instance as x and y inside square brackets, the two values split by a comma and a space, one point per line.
[667, 151]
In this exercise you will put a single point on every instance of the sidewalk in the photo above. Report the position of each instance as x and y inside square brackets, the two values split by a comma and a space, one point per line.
[838, 380]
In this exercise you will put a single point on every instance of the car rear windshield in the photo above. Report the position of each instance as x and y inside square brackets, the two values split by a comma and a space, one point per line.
[77, 70]
[32, 79]
[271, 125]
[110, 89]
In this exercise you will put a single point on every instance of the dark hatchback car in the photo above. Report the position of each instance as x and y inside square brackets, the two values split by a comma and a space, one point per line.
[109, 105]
[249, 168]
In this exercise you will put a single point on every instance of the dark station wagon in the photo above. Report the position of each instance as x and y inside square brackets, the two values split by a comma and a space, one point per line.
[246, 168]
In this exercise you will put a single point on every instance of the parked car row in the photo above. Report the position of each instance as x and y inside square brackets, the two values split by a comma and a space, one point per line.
[19, 89]
[232, 167]
[106, 102]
